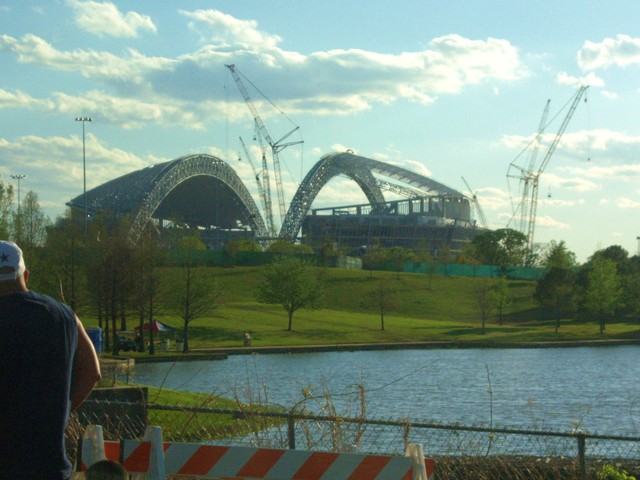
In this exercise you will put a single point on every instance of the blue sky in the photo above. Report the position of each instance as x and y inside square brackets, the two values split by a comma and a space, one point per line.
[449, 89]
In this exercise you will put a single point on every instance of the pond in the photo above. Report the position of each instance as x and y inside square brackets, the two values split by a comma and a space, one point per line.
[592, 388]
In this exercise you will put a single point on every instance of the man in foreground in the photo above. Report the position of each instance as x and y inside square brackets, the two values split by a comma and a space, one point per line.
[48, 366]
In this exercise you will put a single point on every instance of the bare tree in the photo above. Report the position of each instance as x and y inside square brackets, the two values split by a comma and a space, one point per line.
[483, 295]
[383, 296]
[189, 294]
[6, 202]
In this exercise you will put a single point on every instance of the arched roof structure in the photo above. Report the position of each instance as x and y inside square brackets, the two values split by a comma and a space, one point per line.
[200, 190]
[360, 169]
[203, 190]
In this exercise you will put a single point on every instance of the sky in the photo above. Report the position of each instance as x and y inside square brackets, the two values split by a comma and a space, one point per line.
[454, 90]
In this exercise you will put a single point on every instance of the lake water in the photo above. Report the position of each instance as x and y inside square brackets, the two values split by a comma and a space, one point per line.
[555, 389]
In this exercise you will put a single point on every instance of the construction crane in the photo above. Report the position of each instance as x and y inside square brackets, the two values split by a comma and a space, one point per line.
[262, 132]
[530, 176]
[526, 175]
[266, 204]
[476, 204]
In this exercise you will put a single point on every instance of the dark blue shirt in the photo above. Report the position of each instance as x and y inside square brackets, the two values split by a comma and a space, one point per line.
[38, 339]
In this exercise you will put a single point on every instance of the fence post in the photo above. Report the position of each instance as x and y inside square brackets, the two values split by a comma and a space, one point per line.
[291, 431]
[582, 455]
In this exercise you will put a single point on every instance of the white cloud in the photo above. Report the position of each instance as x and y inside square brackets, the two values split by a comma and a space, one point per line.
[547, 222]
[54, 164]
[584, 145]
[125, 73]
[23, 100]
[609, 172]
[620, 51]
[575, 184]
[104, 18]
[333, 82]
[608, 94]
[627, 203]
[591, 79]
[224, 28]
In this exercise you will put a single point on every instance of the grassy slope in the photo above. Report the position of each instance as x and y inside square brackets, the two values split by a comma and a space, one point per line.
[446, 312]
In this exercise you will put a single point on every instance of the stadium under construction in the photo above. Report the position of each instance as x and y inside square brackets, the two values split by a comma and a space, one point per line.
[205, 193]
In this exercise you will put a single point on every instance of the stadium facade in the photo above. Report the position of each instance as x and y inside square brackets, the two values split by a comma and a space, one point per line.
[205, 193]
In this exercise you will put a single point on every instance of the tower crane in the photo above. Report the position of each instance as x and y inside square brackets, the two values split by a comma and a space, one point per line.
[476, 203]
[276, 146]
[266, 205]
[531, 176]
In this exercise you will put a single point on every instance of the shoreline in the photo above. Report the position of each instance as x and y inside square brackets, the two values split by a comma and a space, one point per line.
[221, 353]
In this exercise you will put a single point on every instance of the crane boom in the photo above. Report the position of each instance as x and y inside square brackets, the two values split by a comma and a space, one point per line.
[262, 131]
[533, 207]
[476, 202]
[263, 196]
[266, 182]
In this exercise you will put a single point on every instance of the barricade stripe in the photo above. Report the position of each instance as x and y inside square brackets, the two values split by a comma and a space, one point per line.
[315, 466]
[260, 463]
[203, 460]
[369, 468]
[138, 460]
[289, 463]
[112, 451]
[398, 468]
[430, 465]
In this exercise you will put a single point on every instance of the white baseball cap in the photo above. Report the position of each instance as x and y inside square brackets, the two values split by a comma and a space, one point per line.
[11, 261]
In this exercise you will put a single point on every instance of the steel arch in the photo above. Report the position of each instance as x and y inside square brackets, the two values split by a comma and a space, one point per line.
[180, 170]
[360, 169]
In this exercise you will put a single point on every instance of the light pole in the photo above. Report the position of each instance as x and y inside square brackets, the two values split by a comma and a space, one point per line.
[84, 174]
[18, 178]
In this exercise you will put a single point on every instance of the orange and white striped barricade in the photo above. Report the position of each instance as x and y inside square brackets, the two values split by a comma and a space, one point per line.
[423, 468]
[146, 462]
[93, 448]
[213, 461]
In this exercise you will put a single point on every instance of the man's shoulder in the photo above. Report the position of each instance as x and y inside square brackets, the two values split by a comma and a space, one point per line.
[50, 303]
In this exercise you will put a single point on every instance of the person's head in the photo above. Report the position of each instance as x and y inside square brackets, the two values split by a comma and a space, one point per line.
[13, 273]
[106, 470]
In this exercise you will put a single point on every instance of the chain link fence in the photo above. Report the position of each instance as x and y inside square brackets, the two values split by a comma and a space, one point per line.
[460, 451]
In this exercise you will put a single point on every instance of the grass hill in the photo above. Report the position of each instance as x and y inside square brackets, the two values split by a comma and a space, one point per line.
[442, 308]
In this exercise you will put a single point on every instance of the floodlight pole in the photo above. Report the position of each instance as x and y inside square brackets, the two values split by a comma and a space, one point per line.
[84, 174]
[18, 178]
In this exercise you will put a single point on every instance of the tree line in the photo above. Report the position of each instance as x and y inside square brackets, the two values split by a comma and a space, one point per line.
[99, 273]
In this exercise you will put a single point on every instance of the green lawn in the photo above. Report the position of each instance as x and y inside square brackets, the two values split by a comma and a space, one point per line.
[445, 312]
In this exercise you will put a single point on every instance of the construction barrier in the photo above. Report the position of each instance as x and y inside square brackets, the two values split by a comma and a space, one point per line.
[158, 460]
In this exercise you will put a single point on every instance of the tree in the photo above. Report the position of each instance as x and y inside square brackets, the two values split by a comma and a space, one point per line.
[6, 202]
[31, 223]
[398, 256]
[631, 292]
[234, 247]
[287, 248]
[556, 290]
[482, 292]
[557, 255]
[147, 257]
[619, 256]
[373, 258]
[501, 296]
[603, 292]
[382, 296]
[292, 283]
[64, 262]
[503, 247]
[189, 295]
